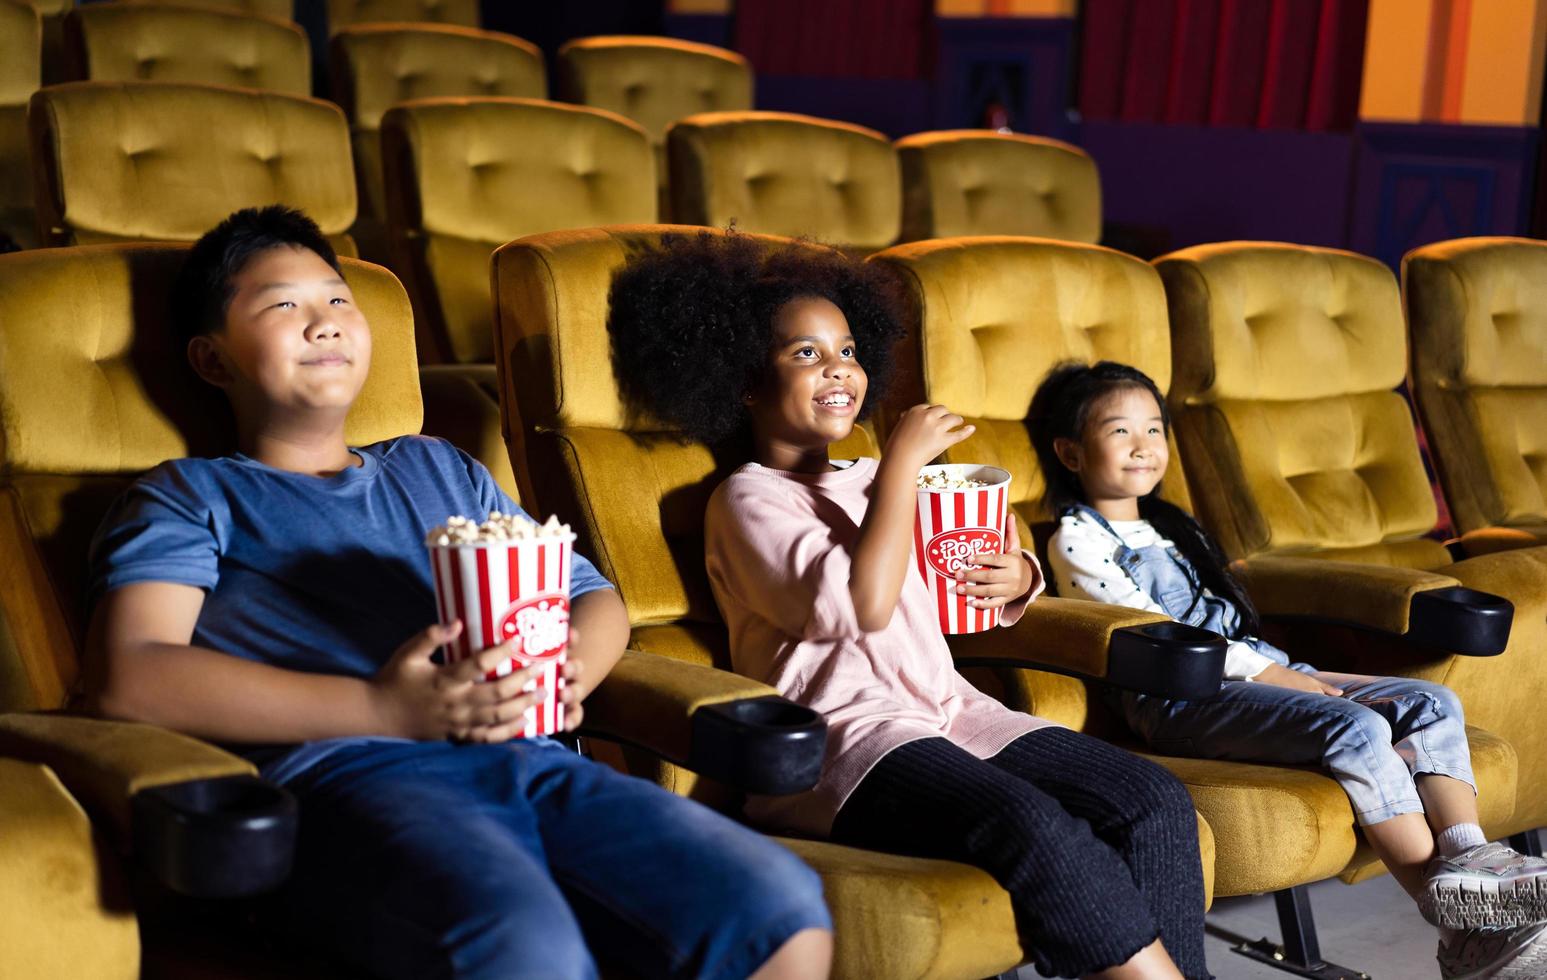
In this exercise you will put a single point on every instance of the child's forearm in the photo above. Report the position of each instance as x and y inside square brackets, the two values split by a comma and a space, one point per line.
[601, 631]
[223, 698]
[885, 546]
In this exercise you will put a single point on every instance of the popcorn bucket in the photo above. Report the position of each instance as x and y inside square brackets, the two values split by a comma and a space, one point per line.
[952, 526]
[504, 590]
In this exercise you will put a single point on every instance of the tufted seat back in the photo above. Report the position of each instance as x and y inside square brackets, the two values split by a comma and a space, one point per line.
[1477, 313]
[273, 9]
[980, 182]
[465, 176]
[93, 392]
[997, 313]
[376, 66]
[347, 13]
[654, 81]
[635, 491]
[123, 42]
[1286, 360]
[21, 46]
[164, 161]
[778, 173]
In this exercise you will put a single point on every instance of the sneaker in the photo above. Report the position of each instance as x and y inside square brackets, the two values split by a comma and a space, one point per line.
[1496, 954]
[1487, 885]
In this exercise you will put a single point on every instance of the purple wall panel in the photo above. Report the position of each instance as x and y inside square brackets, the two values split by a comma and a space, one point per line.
[1200, 184]
[1416, 184]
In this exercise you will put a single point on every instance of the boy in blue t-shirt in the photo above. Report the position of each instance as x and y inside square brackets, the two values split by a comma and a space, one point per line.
[279, 600]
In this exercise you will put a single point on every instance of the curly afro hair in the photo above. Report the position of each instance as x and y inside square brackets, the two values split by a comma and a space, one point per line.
[691, 323]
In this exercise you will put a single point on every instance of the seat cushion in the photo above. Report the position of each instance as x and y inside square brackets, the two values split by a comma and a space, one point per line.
[980, 182]
[64, 905]
[1477, 315]
[163, 161]
[784, 174]
[904, 917]
[343, 13]
[122, 42]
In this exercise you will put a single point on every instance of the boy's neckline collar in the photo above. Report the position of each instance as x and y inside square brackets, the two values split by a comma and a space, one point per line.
[369, 464]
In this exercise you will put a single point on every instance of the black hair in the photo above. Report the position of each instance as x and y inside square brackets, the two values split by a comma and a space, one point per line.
[1061, 409]
[203, 291]
[691, 323]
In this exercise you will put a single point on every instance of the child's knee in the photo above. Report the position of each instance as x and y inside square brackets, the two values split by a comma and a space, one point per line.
[504, 939]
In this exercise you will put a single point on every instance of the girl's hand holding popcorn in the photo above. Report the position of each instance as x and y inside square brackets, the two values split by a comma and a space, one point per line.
[1000, 578]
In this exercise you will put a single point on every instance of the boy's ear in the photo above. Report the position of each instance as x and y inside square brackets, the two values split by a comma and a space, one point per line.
[205, 357]
[1068, 453]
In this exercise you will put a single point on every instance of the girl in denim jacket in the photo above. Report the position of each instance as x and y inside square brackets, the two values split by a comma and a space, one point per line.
[1396, 745]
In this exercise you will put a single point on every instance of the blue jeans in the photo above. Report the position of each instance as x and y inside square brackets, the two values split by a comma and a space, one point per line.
[1373, 740]
[428, 859]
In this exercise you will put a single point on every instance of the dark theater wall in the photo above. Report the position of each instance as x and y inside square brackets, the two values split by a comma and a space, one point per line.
[1210, 119]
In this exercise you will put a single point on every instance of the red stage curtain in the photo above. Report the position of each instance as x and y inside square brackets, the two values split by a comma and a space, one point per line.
[836, 38]
[1281, 64]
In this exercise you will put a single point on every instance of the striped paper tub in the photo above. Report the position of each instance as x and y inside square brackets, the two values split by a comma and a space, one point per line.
[954, 525]
[503, 590]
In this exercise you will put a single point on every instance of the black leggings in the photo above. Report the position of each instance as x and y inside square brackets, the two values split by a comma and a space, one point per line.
[1097, 847]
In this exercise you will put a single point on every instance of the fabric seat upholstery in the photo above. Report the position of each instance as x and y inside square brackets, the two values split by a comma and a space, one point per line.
[654, 81]
[779, 173]
[980, 182]
[1477, 318]
[127, 161]
[118, 42]
[347, 13]
[375, 66]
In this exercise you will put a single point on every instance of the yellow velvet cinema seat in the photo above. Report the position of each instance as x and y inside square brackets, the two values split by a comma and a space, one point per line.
[654, 81]
[347, 13]
[1303, 463]
[981, 182]
[83, 801]
[376, 66]
[636, 493]
[1477, 323]
[138, 161]
[779, 173]
[997, 313]
[21, 40]
[465, 176]
[177, 42]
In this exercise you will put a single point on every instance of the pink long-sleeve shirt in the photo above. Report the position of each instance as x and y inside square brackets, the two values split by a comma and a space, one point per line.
[778, 547]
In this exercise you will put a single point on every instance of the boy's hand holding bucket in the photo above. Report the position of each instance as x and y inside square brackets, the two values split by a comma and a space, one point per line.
[507, 581]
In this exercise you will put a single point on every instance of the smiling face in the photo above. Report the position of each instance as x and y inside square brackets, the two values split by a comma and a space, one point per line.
[293, 342]
[1122, 453]
[813, 389]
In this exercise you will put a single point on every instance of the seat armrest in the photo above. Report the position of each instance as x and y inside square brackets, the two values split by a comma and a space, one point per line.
[1426, 607]
[1136, 650]
[197, 817]
[713, 722]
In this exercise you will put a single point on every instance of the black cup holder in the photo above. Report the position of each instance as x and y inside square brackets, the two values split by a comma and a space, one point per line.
[1170, 660]
[1461, 620]
[765, 745]
[227, 837]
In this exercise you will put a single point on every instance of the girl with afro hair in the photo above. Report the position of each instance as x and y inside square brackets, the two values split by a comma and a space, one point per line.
[776, 351]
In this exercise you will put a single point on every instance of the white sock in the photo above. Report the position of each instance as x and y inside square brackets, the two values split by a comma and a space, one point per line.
[1453, 840]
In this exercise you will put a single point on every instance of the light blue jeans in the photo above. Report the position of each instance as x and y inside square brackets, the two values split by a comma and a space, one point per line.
[1374, 739]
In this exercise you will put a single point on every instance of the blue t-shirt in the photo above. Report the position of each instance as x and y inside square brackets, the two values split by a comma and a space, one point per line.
[320, 574]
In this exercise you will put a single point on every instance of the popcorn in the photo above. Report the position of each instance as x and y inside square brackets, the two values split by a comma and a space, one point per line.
[942, 481]
[460, 530]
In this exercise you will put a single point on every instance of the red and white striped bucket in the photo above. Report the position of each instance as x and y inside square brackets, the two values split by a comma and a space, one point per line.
[511, 589]
[954, 525]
